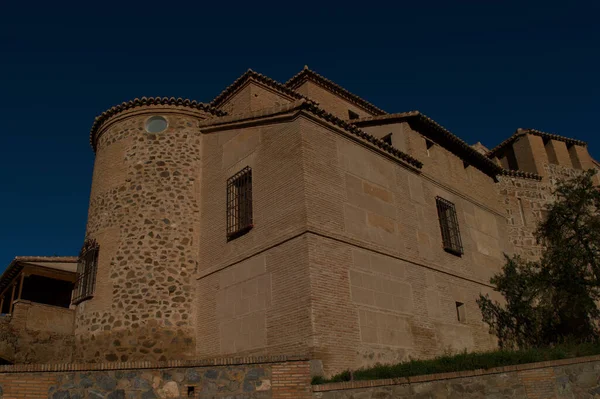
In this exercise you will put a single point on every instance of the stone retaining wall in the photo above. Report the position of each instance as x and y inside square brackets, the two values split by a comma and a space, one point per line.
[247, 378]
[37, 333]
[569, 378]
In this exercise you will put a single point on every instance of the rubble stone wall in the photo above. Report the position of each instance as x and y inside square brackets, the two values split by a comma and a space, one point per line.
[268, 378]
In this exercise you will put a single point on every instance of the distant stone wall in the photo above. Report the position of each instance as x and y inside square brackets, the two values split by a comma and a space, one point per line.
[525, 202]
[569, 378]
[256, 378]
[37, 333]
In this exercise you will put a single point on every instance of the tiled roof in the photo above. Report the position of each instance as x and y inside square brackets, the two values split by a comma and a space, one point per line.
[252, 75]
[313, 109]
[307, 74]
[144, 101]
[445, 138]
[521, 132]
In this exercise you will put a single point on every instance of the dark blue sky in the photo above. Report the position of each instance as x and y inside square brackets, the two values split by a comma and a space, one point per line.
[480, 68]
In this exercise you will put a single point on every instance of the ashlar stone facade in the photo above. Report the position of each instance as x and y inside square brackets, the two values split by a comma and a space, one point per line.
[345, 254]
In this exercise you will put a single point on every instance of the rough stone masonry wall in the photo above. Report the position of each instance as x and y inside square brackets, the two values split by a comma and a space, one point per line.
[144, 213]
[569, 378]
[250, 378]
[525, 202]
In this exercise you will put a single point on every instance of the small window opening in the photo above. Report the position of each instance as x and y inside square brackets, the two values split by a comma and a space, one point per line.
[387, 138]
[352, 115]
[522, 211]
[191, 392]
[239, 204]
[460, 312]
[429, 144]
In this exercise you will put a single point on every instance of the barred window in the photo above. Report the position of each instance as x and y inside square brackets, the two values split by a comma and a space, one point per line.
[86, 272]
[449, 226]
[239, 203]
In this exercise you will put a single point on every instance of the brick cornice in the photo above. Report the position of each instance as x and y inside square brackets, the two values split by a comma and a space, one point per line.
[218, 361]
[521, 174]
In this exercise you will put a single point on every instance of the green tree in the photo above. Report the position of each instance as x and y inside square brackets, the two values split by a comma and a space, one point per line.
[553, 299]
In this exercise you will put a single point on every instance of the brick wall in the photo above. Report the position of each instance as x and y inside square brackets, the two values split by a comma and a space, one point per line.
[26, 385]
[383, 288]
[244, 378]
[569, 378]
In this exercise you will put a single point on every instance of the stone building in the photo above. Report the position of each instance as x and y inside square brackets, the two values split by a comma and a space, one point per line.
[296, 218]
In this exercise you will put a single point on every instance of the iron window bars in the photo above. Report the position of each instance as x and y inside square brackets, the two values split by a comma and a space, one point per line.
[449, 226]
[239, 203]
[87, 267]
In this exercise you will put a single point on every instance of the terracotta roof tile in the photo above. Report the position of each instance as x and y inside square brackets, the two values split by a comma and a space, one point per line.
[521, 132]
[252, 75]
[144, 101]
[448, 139]
[307, 74]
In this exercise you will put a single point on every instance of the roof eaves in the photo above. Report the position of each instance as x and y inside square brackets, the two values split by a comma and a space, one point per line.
[471, 154]
[307, 74]
[145, 101]
[521, 132]
[17, 264]
[249, 75]
[362, 134]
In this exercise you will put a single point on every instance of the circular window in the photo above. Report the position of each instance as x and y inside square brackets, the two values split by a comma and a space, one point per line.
[156, 124]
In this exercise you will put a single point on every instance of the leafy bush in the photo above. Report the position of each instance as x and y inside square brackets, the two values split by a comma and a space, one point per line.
[553, 299]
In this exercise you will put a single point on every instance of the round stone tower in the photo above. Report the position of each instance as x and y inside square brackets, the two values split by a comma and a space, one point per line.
[144, 217]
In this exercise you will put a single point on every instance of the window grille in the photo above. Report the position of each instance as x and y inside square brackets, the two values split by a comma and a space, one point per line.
[239, 203]
[87, 267]
[449, 226]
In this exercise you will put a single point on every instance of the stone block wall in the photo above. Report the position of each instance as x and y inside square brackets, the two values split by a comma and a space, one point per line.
[248, 378]
[569, 378]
